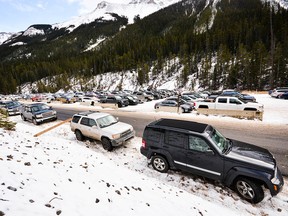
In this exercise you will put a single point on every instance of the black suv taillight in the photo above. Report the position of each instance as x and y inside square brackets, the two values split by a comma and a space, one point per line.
[143, 143]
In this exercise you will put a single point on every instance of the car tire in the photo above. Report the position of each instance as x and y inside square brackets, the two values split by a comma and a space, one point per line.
[23, 118]
[34, 121]
[249, 190]
[79, 135]
[160, 164]
[106, 143]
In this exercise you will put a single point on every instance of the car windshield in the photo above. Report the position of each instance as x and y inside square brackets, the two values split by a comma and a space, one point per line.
[221, 141]
[106, 121]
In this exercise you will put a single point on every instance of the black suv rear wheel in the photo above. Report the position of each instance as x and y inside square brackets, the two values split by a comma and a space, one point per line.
[160, 164]
[249, 190]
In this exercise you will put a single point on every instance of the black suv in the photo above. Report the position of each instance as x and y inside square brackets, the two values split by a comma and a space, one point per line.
[202, 150]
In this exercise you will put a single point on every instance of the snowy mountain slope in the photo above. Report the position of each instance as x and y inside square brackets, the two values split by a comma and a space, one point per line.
[4, 36]
[105, 9]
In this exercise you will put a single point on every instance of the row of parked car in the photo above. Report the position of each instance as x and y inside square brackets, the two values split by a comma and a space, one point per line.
[280, 92]
[186, 101]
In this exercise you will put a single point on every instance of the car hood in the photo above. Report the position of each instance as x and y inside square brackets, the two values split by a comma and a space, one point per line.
[251, 154]
[43, 111]
[119, 127]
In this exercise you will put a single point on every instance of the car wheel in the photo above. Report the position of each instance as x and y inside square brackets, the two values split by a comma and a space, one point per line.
[160, 164]
[23, 118]
[92, 103]
[249, 190]
[106, 143]
[119, 105]
[34, 121]
[79, 135]
[183, 110]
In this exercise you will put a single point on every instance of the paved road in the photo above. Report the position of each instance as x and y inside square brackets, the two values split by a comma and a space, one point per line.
[274, 138]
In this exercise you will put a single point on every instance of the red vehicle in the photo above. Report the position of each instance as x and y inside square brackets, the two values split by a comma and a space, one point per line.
[36, 98]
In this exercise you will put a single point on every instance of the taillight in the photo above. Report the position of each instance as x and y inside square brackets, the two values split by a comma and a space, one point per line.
[143, 143]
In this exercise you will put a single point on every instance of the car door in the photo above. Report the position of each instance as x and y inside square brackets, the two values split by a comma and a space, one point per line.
[174, 143]
[88, 127]
[202, 160]
[28, 113]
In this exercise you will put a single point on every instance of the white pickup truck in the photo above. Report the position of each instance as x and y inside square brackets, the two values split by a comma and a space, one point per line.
[229, 103]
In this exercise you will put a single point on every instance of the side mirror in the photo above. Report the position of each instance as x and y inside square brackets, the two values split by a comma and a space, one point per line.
[210, 152]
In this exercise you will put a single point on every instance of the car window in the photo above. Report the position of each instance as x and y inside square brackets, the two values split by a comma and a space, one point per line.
[91, 122]
[35, 109]
[75, 119]
[198, 144]
[174, 139]
[222, 100]
[84, 121]
[153, 135]
[233, 101]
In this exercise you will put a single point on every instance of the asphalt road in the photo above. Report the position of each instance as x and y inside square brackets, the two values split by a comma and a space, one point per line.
[274, 138]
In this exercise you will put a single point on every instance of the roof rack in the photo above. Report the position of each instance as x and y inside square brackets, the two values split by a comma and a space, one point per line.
[86, 113]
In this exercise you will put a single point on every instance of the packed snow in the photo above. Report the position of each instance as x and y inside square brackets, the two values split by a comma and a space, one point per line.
[56, 174]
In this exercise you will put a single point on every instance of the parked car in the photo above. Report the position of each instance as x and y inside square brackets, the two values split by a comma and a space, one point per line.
[243, 97]
[131, 100]
[284, 95]
[115, 99]
[229, 103]
[38, 113]
[11, 107]
[276, 93]
[202, 150]
[185, 108]
[36, 98]
[90, 100]
[101, 126]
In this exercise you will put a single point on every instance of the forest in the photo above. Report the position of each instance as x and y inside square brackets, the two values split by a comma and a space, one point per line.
[243, 45]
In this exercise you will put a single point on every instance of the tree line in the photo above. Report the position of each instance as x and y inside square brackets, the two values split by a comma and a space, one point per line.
[246, 47]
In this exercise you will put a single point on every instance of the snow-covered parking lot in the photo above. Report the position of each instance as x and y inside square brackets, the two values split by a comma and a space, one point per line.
[54, 174]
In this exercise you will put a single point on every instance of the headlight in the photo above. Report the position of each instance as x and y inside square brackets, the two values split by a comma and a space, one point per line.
[39, 116]
[54, 112]
[116, 136]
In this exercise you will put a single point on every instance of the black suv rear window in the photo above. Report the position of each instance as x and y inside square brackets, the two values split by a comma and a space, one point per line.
[153, 134]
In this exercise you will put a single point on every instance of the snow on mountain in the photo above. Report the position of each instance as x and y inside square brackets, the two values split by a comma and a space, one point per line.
[33, 31]
[4, 36]
[104, 10]
[282, 3]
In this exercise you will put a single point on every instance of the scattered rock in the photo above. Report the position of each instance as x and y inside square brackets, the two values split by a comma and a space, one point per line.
[27, 164]
[118, 192]
[48, 205]
[279, 210]
[107, 184]
[147, 204]
[58, 212]
[9, 157]
[31, 201]
[97, 200]
[12, 188]
[70, 180]
[2, 213]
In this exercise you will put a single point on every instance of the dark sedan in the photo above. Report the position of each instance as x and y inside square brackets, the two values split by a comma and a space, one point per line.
[11, 107]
